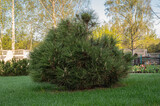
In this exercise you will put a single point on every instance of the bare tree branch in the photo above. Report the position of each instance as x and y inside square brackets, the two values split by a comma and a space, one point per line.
[155, 14]
[46, 9]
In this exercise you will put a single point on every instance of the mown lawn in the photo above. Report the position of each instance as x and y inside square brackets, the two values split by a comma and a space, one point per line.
[137, 89]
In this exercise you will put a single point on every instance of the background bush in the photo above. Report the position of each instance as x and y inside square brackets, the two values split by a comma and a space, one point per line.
[68, 58]
[14, 67]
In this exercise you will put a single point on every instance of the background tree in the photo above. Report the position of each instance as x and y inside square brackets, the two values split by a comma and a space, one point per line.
[7, 42]
[25, 22]
[60, 9]
[133, 18]
[106, 30]
[3, 9]
[154, 48]
[1, 24]
[13, 26]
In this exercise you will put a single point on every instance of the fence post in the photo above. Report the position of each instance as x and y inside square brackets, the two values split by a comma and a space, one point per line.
[140, 59]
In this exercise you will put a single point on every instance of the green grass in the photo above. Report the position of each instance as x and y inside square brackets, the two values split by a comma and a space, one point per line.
[137, 89]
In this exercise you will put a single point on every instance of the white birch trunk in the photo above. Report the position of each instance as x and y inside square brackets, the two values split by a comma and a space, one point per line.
[54, 14]
[1, 22]
[13, 27]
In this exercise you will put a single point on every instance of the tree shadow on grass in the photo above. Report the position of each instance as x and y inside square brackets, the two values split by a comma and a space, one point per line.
[46, 87]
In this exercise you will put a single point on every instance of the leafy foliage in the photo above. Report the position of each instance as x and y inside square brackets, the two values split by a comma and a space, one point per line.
[99, 31]
[132, 18]
[6, 42]
[149, 42]
[154, 48]
[68, 58]
[22, 42]
[14, 67]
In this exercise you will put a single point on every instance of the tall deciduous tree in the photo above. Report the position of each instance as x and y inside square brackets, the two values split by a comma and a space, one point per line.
[60, 9]
[26, 24]
[105, 30]
[27, 20]
[13, 27]
[1, 24]
[133, 18]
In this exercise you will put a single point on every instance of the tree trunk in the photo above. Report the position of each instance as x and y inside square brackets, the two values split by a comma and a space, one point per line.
[1, 22]
[13, 27]
[31, 38]
[53, 14]
[31, 41]
[132, 47]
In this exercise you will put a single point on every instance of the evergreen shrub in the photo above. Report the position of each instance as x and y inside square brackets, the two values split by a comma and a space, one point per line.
[69, 58]
[14, 67]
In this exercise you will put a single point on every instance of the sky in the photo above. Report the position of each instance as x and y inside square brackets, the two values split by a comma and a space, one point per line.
[98, 6]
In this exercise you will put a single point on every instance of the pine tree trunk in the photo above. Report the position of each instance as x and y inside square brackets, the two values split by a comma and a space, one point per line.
[13, 27]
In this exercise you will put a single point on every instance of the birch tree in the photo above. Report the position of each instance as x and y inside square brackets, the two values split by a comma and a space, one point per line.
[1, 24]
[133, 18]
[13, 27]
[60, 9]
[33, 18]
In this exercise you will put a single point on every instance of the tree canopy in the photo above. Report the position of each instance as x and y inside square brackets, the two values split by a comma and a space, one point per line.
[132, 18]
[25, 22]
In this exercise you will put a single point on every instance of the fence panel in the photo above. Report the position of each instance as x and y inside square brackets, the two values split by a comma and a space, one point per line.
[147, 60]
[17, 54]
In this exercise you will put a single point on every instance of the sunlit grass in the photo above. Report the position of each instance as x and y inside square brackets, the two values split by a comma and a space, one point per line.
[137, 89]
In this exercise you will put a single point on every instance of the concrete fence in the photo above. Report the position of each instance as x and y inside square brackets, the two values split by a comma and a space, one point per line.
[139, 52]
[17, 54]
[153, 54]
